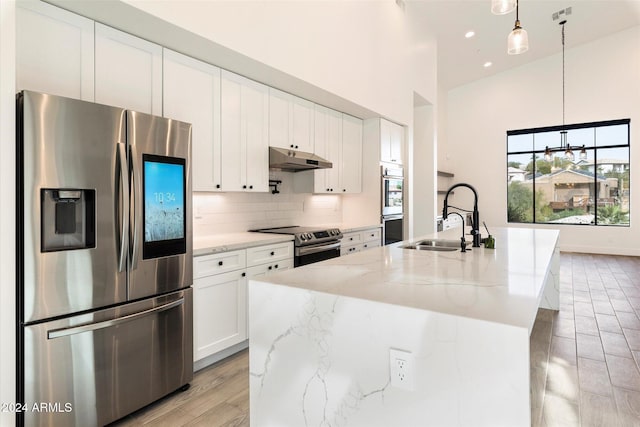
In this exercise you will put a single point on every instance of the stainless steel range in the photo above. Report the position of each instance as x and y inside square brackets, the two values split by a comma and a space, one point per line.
[311, 244]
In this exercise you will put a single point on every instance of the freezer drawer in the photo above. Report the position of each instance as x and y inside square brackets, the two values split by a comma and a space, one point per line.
[95, 368]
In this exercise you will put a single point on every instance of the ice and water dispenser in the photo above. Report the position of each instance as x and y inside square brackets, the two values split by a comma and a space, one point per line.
[68, 219]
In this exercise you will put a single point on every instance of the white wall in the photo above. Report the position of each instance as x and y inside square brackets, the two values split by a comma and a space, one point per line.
[7, 209]
[363, 51]
[602, 83]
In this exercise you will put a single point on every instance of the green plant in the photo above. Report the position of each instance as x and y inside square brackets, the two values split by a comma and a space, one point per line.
[612, 215]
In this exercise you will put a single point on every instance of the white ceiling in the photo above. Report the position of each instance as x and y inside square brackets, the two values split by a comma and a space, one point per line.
[461, 60]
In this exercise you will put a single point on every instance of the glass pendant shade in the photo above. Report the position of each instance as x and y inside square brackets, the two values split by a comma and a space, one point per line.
[502, 7]
[583, 153]
[569, 154]
[547, 154]
[518, 40]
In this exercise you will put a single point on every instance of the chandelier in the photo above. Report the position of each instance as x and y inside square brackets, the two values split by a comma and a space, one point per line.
[564, 143]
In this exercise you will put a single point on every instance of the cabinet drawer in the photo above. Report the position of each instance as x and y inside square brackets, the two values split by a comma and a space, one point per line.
[346, 250]
[371, 235]
[371, 244]
[269, 253]
[272, 267]
[218, 263]
[351, 238]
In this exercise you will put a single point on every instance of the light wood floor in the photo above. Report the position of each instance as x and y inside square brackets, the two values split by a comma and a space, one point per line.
[584, 359]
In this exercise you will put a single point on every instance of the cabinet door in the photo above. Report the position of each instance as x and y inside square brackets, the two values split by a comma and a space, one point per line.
[244, 133]
[233, 149]
[279, 109]
[328, 144]
[54, 51]
[351, 154]
[302, 124]
[321, 142]
[219, 312]
[396, 143]
[128, 71]
[191, 93]
[255, 117]
[385, 140]
[290, 121]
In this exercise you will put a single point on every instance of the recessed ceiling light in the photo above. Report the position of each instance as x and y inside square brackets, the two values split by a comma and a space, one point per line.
[469, 34]
[488, 64]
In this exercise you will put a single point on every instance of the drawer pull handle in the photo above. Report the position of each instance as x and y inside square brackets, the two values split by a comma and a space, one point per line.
[270, 267]
[244, 274]
[272, 253]
[276, 265]
[220, 262]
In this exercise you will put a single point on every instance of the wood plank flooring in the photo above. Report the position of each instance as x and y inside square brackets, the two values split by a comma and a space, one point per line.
[584, 359]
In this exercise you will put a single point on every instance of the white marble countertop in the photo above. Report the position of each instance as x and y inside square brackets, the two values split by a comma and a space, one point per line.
[205, 245]
[503, 285]
[232, 241]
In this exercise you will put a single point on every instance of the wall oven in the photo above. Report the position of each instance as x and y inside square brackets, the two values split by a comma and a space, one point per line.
[310, 244]
[392, 203]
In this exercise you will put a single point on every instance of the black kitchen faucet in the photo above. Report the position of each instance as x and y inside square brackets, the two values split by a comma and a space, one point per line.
[475, 216]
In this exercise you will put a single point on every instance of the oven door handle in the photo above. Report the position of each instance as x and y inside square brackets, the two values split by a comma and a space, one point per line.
[308, 250]
[391, 217]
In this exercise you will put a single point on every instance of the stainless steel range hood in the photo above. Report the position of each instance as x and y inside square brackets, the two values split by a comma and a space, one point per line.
[294, 161]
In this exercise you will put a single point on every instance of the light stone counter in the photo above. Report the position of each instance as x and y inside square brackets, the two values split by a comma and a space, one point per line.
[320, 335]
[205, 245]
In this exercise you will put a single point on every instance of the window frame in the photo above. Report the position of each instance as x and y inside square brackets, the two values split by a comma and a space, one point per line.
[535, 153]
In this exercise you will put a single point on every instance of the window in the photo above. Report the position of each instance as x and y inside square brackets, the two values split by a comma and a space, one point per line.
[546, 187]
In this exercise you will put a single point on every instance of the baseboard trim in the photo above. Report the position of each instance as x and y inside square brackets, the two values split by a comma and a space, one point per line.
[210, 360]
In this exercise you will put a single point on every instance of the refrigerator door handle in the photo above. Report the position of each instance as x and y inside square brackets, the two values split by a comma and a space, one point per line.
[122, 211]
[136, 209]
[65, 332]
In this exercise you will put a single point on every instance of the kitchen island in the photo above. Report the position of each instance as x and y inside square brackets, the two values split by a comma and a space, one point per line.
[320, 336]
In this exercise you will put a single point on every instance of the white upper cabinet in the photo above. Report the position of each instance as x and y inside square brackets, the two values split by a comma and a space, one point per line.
[290, 121]
[391, 142]
[244, 127]
[191, 93]
[128, 71]
[328, 145]
[351, 154]
[54, 51]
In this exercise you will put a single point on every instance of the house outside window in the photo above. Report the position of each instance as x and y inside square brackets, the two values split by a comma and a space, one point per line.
[545, 186]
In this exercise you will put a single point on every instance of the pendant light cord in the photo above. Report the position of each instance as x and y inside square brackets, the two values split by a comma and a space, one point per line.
[563, 89]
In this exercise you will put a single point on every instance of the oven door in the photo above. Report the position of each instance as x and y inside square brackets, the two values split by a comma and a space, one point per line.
[392, 228]
[314, 253]
[392, 195]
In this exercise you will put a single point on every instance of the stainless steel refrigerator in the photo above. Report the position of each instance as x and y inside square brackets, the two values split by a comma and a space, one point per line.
[105, 260]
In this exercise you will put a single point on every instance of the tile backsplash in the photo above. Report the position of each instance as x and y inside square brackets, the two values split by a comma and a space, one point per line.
[218, 213]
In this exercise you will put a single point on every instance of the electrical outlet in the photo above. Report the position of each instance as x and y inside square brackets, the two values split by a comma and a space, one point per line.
[401, 368]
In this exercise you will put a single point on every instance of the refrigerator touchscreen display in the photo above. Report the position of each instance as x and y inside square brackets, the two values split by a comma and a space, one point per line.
[164, 206]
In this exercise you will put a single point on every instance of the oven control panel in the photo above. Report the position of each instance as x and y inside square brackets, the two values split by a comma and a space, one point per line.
[320, 236]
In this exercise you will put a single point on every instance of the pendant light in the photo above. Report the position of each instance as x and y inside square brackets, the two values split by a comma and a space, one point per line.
[502, 7]
[564, 142]
[518, 40]
[568, 154]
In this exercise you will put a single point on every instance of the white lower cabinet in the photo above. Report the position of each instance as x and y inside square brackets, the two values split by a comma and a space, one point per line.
[219, 302]
[357, 241]
[220, 312]
[220, 293]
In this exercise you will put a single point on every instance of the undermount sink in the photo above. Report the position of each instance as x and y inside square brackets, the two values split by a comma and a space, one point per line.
[435, 245]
